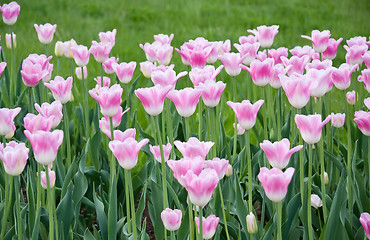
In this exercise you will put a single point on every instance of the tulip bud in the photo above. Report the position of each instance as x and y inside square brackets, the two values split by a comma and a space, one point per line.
[9, 43]
[315, 201]
[229, 171]
[326, 178]
[240, 130]
[252, 223]
[351, 97]
[79, 73]
[51, 179]
[59, 49]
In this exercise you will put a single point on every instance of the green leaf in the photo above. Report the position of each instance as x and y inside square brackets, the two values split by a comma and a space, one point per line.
[112, 211]
[141, 206]
[102, 218]
[88, 235]
[64, 214]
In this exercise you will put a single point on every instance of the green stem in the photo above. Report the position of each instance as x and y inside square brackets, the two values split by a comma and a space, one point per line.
[132, 202]
[309, 218]
[127, 103]
[279, 100]
[8, 204]
[12, 86]
[50, 206]
[66, 130]
[55, 216]
[163, 163]
[264, 109]
[58, 66]
[47, 51]
[279, 213]
[214, 133]
[349, 160]
[173, 235]
[250, 177]
[113, 161]
[127, 191]
[86, 105]
[187, 129]
[30, 106]
[169, 124]
[200, 108]
[18, 207]
[201, 222]
[191, 220]
[209, 127]
[235, 122]
[223, 211]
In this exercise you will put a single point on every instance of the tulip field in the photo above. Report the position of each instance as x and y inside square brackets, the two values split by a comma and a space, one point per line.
[184, 121]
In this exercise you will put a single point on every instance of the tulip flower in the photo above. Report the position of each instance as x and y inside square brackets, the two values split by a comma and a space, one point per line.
[124, 71]
[265, 35]
[342, 76]
[108, 65]
[163, 38]
[150, 50]
[59, 49]
[310, 127]
[79, 72]
[366, 59]
[200, 187]
[10, 12]
[229, 171]
[365, 221]
[248, 51]
[275, 182]
[2, 66]
[100, 84]
[146, 68]
[7, 119]
[61, 89]
[164, 54]
[14, 157]
[68, 51]
[248, 39]
[194, 148]
[240, 130]
[109, 99]
[47, 68]
[331, 50]
[45, 32]
[219, 165]
[127, 151]
[278, 153]
[251, 223]
[100, 51]
[51, 179]
[34, 123]
[278, 69]
[171, 219]
[48, 110]
[262, 55]
[354, 54]
[337, 119]
[155, 150]
[153, 98]
[122, 136]
[351, 97]
[201, 75]
[319, 65]
[276, 54]
[365, 78]
[232, 63]
[298, 89]
[321, 79]
[8, 40]
[166, 78]
[367, 102]
[218, 48]
[211, 92]
[326, 178]
[81, 55]
[185, 100]
[363, 121]
[104, 122]
[32, 73]
[246, 112]
[45, 145]
[319, 40]
[184, 165]
[298, 64]
[209, 226]
[316, 201]
[359, 41]
[305, 51]
[108, 37]
[260, 71]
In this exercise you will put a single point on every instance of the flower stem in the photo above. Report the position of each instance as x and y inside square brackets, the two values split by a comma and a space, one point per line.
[235, 121]
[113, 161]
[187, 129]
[349, 160]
[169, 125]
[223, 211]
[309, 218]
[279, 213]
[50, 206]
[127, 192]
[200, 222]
[279, 100]
[58, 66]
[12, 86]
[66, 130]
[8, 200]
[191, 220]
[200, 107]
[86, 110]
[264, 109]
[132, 201]
[19, 220]
[250, 178]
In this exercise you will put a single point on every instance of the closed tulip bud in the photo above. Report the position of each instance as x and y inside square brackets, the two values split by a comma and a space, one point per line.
[315, 201]
[8, 41]
[240, 130]
[351, 97]
[251, 223]
[59, 49]
[45, 32]
[79, 73]
[67, 48]
[337, 120]
[229, 171]
[51, 179]
[209, 226]
[171, 219]
[326, 178]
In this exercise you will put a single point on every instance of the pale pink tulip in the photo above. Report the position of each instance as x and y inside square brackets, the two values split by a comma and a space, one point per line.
[248, 39]
[164, 54]
[367, 102]
[277, 70]
[45, 32]
[229, 171]
[319, 40]
[265, 35]
[146, 68]
[248, 51]
[251, 223]
[360, 41]
[321, 79]
[122, 136]
[163, 38]
[34, 123]
[45, 145]
[240, 130]
[342, 76]
[108, 37]
[10, 12]
[354, 54]
[337, 119]
[43, 178]
[310, 127]
[81, 55]
[297, 88]
[104, 122]
[211, 92]
[156, 151]
[246, 112]
[166, 78]
[232, 63]
[127, 152]
[365, 221]
[351, 97]
[278, 153]
[51, 110]
[200, 188]
[185, 100]
[182, 166]
[260, 71]
[47, 68]
[100, 51]
[108, 65]
[79, 73]
[363, 121]
[201, 75]
[315, 201]
[319, 65]
[61, 89]
[32, 73]
[331, 50]
[299, 51]
[153, 98]
[100, 84]
[275, 182]
[276, 54]
[2, 66]
[7, 119]
[8, 40]
[151, 50]
[14, 157]
[366, 59]
[171, 219]
[219, 165]
[194, 148]
[262, 55]
[365, 78]
[68, 52]
[124, 71]
[209, 226]
[298, 64]
[109, 99]
[218, 48]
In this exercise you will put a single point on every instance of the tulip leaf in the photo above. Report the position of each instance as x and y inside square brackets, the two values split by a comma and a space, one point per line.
[101, 217]
[112, 211]
[88, 235]
[155, 209]
[63, 211]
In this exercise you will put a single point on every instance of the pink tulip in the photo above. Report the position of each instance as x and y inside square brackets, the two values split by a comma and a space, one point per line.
[240, 130]
[319, 65]
[2, 66]
[100, 51]
[100, 84]
[124, 71]
[367, 102]
[10, 12]
[127, 151]
[184, 165]
[81, 55]
[298, 64]
[310, 127]
[171, 219]
[61, 89]
[211, 92]
[151, 50]
[265, 35]
[298, 89]
[354, 54]
[246, 112]
[337, 119]
[359, 41]
[262, 55]
[275, 182]
[156, 151]
[248, 51]
[8, 40]
[331, 50]
[68, 51]
[109, 99]
[342, 76]
[14, 157]
[351, 97]
[167, 77]
[200, 188]
[79, 73]
[45, 145]
[108, 37]
[122, 136]
[32, 73]
[365, 221]
[319, 40]
[47, 68]
[276, 54]
[248, 39]
[278, 153]
[153, 98]
[229, 171]
[315, 201]
[34, 123]
[278, 69]
[7, 119]
[201, 75]
[164, 54]
[185, 100]
[163, 38]
[146, 68]
[45, 32]
[366, 58]
[363, 121]
[108, 65]
[218, 48]
[232, 63]
[365, 78]
[209, 226]
[104, 122]
[194, 148]
[321, 79]
[219, 165]
[43, 178]
[260, 71]
[305, 51]
[48, 110]
[251, 223]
